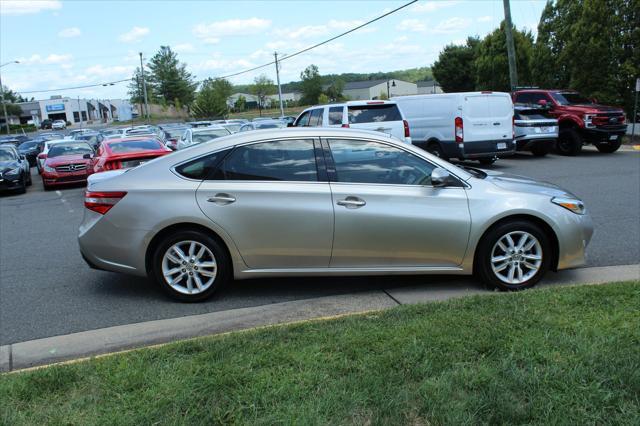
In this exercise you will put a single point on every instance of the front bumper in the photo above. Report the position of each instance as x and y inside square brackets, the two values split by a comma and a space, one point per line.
[603, 134]
[54, 179]
[574, 235]
[10, 184]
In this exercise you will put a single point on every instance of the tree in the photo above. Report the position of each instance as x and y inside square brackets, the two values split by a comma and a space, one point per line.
[211, 100]
[311, 85]
[261, 88]
[492, 65]
[169, 78]
[323, 99]
[455, 68]
[334, 91]
[13, 109]
[240, 104]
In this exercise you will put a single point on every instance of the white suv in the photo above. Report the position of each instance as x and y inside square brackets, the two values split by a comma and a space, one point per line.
[58, 125]
[381, 116]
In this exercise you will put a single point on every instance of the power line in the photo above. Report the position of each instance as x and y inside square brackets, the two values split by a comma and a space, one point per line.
[321, 43]
[109, 83]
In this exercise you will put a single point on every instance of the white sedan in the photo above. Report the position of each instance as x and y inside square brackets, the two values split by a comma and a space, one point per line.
[201, 134]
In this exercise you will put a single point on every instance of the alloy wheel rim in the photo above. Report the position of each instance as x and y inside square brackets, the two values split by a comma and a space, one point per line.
[189, 267]
[516, 257]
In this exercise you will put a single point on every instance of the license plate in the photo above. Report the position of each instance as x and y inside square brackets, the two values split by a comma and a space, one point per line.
[502, 145]
[613, 138]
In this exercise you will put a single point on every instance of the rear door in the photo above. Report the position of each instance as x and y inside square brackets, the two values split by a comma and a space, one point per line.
[501, 110]
[382, 117]
[275, 204]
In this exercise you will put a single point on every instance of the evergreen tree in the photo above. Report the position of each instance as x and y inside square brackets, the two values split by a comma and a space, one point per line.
[455, 68]
[311, 85]
[211, 100]
[169, 78]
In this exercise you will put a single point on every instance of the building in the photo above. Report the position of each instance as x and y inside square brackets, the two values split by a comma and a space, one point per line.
[373, 89]
[85, 110]
[428, 87]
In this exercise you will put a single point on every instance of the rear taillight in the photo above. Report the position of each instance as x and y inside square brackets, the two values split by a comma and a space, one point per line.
[346, 126]
[406, 128]
[113, 165]
[513, 127]
[101, 202]
[459, 129]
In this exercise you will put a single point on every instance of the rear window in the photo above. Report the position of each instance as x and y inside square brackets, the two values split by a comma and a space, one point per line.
[201, 137]
[335, 116]
[373, 113]
[530, 114]
[134, 146]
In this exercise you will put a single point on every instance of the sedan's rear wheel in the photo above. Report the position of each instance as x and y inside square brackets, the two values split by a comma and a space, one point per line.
[190, 266]
[513, 256]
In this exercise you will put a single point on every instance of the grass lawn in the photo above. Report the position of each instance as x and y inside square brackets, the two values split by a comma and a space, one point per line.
[553, 356]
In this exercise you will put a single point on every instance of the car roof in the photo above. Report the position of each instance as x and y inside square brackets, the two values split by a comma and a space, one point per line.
[204, 129]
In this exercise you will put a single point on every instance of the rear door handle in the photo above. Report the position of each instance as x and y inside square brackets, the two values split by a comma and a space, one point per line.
[352, 202]
[496, 124]
[383, 129]
[222, 199]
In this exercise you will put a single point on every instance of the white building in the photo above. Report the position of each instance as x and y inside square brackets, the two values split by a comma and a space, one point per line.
[428, 87]
[373, 89]
[80, 110]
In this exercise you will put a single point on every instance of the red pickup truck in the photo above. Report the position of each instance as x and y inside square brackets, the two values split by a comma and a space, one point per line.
[581, 120]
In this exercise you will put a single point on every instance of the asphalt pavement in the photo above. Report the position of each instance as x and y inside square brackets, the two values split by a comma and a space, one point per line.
[47, 290]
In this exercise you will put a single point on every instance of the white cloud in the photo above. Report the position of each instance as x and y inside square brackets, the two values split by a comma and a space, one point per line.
[109, 71]
[50, 59]
[451, 25]
[231, 27]
[184, 48]
[415, 25]
[70, 32]
[333, 27]
[432, 6]
[485, 19]
[134, 35]
[24, 7]
[211, 40]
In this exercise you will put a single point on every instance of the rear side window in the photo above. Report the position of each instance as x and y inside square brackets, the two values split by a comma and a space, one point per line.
[335, 116]
[373, 113]
[290, 160]
[201, 168]
[316, 118]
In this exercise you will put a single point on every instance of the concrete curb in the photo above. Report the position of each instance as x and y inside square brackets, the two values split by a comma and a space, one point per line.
[113, 339]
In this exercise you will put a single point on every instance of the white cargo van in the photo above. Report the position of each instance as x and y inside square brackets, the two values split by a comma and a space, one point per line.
[381, 116]
[471, 125]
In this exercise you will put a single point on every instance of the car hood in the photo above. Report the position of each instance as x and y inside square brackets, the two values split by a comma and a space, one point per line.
[518, 183]
[8, 165]
[592, 108]
[66, 159]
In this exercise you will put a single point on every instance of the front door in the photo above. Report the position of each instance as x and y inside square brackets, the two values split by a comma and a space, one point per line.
[268, 198]
[387, 214]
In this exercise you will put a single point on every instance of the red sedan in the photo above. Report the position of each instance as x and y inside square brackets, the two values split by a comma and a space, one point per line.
[128, 152]
[67, 163]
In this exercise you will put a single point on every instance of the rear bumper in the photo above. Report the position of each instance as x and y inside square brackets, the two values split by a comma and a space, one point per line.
[479, 149]
[526, 143]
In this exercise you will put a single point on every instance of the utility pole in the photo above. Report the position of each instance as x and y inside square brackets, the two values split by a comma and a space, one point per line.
[275, 55]
[144, 89]
[635, 110]
[511, 50]
[80, 114]
[139, 85]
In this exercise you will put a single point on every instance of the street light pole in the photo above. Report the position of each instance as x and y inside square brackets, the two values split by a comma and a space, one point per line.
[4, 106]
[144, 89]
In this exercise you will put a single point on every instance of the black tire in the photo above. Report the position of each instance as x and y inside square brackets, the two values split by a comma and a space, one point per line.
[23, 188]
[29, 179]
[540, 150]
[435, 149]
[569, 143]
[484, 253]
[609, 147]
[223, 270]
[46, 187]
[487, 161]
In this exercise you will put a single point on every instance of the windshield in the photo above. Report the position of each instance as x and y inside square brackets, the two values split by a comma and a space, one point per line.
[69, 149]
[28, 145]
[208, 135]
[6, 155]
[134, 146]
[271, 125]
[177, 132]
[570, 98]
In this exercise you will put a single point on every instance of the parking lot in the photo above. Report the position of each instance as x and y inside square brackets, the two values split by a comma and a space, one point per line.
[46, 289]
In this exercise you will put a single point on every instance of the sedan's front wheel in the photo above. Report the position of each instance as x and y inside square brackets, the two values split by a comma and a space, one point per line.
[190, 265]
[513, 256]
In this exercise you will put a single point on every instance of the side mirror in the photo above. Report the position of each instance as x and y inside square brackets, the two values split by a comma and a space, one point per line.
[440, 177]
[22, 157]
[87, 156]
[542, 103]
[289, 124]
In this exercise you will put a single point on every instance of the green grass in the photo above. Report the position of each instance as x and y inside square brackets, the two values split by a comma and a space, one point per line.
[553, 356]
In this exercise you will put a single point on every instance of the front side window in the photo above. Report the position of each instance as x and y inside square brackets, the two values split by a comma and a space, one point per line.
[316, 118]
[378, 163]
[303, 120]
[289, 160]
[570, 98]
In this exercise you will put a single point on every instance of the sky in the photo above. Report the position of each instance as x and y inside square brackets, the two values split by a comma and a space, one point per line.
[62, 44]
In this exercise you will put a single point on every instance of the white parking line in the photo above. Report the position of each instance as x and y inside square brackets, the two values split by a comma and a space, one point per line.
[59, 193]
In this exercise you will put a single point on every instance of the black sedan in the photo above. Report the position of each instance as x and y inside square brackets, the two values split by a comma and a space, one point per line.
[30, 149]
[13, 176]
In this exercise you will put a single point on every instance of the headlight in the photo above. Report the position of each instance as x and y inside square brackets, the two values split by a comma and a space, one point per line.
[572, 204]
[49, 169]
[588, 118]
[13, 172]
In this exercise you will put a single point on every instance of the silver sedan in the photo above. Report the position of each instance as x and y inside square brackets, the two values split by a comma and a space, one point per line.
[322, 201]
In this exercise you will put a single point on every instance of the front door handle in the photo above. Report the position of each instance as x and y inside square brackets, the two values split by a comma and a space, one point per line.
[383, 129]
[222, 199]
[352, 202]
